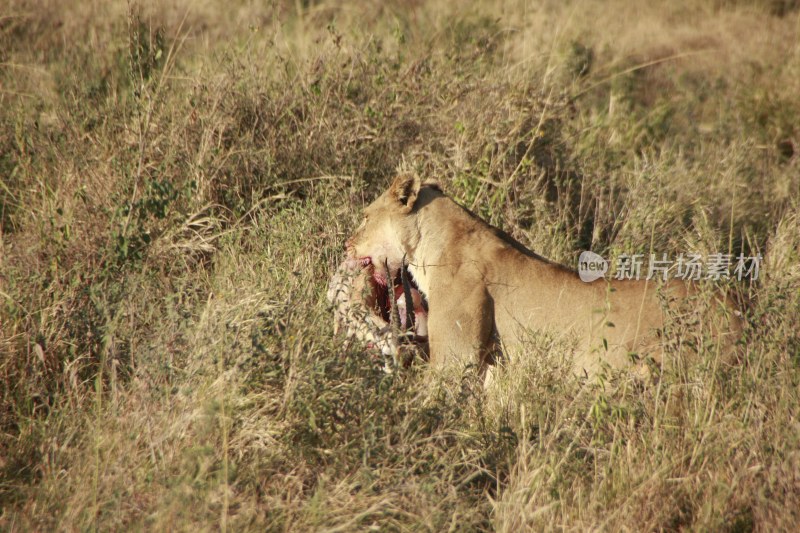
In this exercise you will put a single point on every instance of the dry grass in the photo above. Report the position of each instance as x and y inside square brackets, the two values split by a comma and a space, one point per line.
[176, 183]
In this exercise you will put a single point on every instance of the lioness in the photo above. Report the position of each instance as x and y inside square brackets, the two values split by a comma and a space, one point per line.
[485, 290]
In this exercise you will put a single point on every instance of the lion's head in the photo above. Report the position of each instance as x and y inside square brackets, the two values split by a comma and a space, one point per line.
[387, 232]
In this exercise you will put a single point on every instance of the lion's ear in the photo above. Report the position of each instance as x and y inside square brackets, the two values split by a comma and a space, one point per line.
[405, 189]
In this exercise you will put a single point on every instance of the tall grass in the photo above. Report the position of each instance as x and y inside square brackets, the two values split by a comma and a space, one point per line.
[176, 183]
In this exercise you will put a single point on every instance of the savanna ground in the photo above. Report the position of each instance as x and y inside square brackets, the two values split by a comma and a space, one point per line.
[177, 183]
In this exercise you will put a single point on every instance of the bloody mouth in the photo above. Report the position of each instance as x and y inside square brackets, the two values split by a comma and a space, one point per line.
[380, 286]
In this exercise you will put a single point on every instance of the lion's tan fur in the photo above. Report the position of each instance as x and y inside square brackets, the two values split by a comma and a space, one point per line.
[487, 291]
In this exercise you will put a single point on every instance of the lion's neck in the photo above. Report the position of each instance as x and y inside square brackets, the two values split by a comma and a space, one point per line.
[445, 231]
